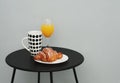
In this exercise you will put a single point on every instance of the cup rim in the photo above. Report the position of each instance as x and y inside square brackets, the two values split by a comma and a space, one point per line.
[35, 32]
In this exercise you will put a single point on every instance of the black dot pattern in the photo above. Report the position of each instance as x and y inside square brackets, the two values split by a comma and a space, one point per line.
[35, 43]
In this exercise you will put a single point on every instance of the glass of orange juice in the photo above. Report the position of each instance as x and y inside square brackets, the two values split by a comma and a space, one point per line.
[47, 29]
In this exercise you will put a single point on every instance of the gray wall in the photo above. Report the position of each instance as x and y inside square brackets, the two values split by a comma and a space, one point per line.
[91, 27]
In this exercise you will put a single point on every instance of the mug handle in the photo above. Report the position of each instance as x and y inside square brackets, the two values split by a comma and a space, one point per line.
[24, 44]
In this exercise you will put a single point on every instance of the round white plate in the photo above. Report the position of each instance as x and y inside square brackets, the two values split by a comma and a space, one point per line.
[63, 59]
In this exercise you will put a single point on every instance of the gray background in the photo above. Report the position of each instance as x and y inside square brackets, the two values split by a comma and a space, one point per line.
[91, 27]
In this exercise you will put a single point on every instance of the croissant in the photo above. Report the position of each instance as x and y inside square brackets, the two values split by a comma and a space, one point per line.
[48, 55]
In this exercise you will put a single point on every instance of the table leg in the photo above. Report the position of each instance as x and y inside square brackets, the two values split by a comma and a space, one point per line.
[13, 75]
[74, 71]
[51, 77]
[38, 77]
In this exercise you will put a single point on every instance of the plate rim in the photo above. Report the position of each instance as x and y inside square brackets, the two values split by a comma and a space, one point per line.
[54, 62]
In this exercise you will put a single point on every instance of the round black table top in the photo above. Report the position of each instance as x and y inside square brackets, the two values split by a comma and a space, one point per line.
[22, 59]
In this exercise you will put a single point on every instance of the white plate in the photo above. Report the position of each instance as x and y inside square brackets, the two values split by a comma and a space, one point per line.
[63, 59]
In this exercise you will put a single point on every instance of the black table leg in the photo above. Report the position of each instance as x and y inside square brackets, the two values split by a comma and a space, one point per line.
[38, 77]
[74, 71]
[13, 75]
[51, 77]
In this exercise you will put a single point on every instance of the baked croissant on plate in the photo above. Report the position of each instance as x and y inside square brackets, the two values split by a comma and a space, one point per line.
[48, 55]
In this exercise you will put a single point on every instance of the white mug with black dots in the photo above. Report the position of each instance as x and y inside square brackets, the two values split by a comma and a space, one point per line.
[34, 44]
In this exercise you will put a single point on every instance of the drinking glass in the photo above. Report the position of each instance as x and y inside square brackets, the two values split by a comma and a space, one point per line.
[47, 29]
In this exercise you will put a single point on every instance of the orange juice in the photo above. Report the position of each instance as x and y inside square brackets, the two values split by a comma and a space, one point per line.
[47, 29]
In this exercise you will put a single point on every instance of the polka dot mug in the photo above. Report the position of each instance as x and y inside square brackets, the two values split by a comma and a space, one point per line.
[34, 42]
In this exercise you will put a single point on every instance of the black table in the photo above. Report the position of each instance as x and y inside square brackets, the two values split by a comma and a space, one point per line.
[22, 59]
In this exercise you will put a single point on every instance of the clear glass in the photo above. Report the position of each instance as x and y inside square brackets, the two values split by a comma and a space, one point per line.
[47, 29]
